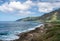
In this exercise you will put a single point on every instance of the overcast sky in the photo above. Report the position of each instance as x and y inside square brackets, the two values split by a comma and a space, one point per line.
[11, 10]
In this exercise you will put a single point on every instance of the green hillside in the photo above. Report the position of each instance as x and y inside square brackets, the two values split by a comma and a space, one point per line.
[48, 17]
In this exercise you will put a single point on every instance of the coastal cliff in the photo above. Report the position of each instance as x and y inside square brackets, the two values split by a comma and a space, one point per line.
[46, 32]
[50, 31]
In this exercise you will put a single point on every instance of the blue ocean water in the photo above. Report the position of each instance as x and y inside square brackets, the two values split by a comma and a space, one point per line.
[9, 30]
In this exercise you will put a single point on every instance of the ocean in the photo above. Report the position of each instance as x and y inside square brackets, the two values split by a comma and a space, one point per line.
[10, 30]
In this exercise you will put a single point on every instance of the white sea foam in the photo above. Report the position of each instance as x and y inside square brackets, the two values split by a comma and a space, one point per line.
[18, 32]
[14, 31]
[9, 37]
[39, 25]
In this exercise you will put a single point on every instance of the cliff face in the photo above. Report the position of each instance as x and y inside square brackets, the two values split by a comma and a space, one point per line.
[52, 16]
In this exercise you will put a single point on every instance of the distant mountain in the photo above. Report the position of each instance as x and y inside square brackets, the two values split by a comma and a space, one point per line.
[48, 17]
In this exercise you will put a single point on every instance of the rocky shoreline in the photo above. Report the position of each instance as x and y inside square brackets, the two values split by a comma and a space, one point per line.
[33, 34]
[38, 34]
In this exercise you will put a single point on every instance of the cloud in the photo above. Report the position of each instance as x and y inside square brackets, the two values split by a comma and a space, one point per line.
[20, 6]
[5, 8]
[25, 6]
[13, 5]
[21, 9]
[47, 6]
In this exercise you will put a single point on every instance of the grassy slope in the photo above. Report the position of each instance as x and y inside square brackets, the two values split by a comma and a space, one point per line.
[52, 34]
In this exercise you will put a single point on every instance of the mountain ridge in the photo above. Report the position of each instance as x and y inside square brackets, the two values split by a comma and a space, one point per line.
[52, 16]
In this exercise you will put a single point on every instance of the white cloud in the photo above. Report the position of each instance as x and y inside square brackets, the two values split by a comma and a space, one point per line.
[5, 8]
[47, 6]
[16, 6]
[20, 8]
[25, 6]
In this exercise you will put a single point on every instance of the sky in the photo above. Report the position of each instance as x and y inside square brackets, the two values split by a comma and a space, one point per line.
[11, 10]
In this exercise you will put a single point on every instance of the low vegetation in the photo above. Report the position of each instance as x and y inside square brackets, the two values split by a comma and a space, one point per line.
[52, 34]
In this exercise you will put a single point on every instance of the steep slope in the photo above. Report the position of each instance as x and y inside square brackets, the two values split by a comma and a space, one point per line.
[46, 32]
[52, 16]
